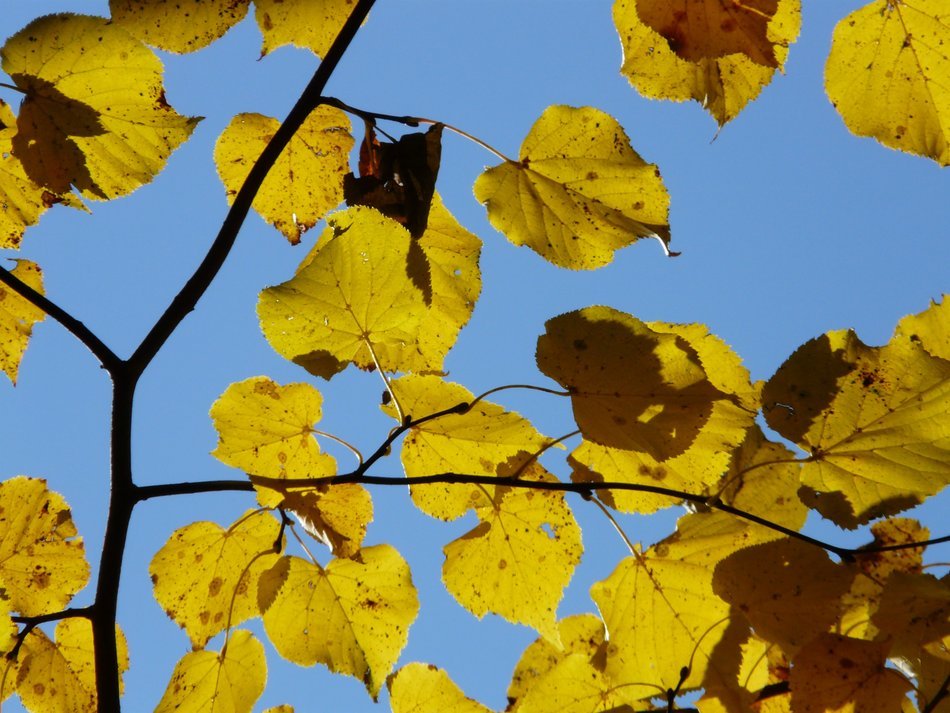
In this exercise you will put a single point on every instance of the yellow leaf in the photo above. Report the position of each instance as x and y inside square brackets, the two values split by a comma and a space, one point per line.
[661, 614]
[42, 562]
[579, 634]
[335, 515]
[312, 24]
[788, 590]
[283, 708]
[205, 577]
[697, 30]
[723, 84]
[95, 115]
[17, 317]
[226, 682]
[306, 181]
[448, 273]
[423, 688]
[517, 561]
[898, 50]
[352, 301]
[267, 429]
[476, 442]
[914, 613]
[578, 192]
[875, 421]
[631, 387]
[353, 616]
[575, 685]
[930, 328]
[60, 677]
[178, 25]
[22, 202]
[835, 674]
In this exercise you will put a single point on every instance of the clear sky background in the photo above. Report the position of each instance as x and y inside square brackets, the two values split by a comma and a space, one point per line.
[789, 226]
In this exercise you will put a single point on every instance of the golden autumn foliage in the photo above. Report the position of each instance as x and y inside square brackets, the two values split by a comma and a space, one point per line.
[736, 607]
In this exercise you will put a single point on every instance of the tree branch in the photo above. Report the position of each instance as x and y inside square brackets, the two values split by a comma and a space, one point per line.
[208, 486]
[199, 282]
[31, 622]
[106, 356]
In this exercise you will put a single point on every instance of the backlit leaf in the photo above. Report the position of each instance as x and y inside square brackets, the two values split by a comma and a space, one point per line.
[914, 612]
[930, 328]
[95, 115]
[875, 421]
[575, 685]
[267, 429]
[335, 515]
[886, 75]
[697, 29]
[353, 616]
[722, 84]
[517, 561]
[205, 576]
[661, 614]
[578, 192]
[631, 387]
[42, 562]
[788, 590]
[312, 24]
[350, 300]
[423, 688]
[226, 682]
[178, 25]
[477, 442]
[60, 677]
[306, 181]
[17, 317]
[579, 634]
[836, 674]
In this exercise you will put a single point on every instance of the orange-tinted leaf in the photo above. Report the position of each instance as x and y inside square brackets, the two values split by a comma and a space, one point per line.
[17, 317]
[835, 674]
[95, 115]
[205, 577]
[578, 192]
[306, 181]
[722, 84]
[42, 562]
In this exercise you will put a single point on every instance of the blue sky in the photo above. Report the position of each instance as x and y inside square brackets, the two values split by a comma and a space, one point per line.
[789, 226]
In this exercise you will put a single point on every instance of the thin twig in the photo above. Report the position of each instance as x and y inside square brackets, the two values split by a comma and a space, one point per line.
[31, 622]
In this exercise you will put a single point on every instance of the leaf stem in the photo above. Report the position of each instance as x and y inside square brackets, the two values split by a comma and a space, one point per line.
[613, 521]
[528, 387]
[31, 622]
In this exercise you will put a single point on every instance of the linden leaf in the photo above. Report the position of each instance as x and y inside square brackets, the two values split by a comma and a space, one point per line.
[353, 616]
[351, 301]
[899, 52]
[837, 674]
[697, 30]
[60, 677]
[22, 202]
[17, 317]
[473, 440]
[930, 329]
[226, 682]
[423, 688]
[283, 708]
[311, 24]
[723, 83]
[266, 429]
[788, 590]
[95, 115]
[875, 421]
[517, 561]
[205, 577]
[579, 634]
[914, 612]
[578, 192]
[335, 515]
[631, 387]
[575, 685]
[178, 25]
[42, 562]
[306, 181]
[661, 613]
